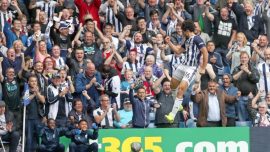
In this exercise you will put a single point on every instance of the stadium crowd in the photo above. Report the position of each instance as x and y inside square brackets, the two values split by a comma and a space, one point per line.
[77, 66]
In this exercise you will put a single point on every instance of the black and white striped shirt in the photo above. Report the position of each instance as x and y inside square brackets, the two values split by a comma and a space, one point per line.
[47, 7]
[4, 17]
[192, 52]
[111, 18]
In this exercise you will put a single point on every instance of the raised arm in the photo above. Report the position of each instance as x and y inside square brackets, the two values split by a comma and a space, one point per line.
[15, 4]
[207, 13]
[175, 48]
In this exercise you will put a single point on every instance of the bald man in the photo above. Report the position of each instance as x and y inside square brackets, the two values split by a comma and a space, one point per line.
[88, 81]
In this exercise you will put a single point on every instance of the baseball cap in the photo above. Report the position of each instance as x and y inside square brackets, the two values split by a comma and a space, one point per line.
[126, 100]
[56, 75]
[63, 26]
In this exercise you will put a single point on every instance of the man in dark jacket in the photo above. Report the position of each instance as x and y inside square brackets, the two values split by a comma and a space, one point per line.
[50, 137]
[80, 138]
[245, 78]
[141, 108]
[166, 99]
[251, 25]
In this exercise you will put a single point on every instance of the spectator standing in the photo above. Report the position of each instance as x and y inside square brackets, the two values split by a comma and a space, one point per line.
[264, 70]
[105, 114]
[88, 81]
[212, 108]
[230, 90]
[141, 108]
[245, 77]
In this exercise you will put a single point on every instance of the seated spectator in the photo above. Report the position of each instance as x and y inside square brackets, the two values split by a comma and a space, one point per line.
[125, 115]
[80, 112]
[80, 138]
[50, 138]
[105, 115]
[7, 125]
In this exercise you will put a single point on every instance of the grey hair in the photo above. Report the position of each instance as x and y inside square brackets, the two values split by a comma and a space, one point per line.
[102, 96]
[262, 103]
[152, 57]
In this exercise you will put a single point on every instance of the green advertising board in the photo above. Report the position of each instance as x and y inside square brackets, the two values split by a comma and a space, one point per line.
[176, 140]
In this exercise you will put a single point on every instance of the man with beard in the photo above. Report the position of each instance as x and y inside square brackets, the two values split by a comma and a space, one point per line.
[37, 70]
[166, 100]
[264, 70]
[35, 114]
[258, 47]
[142, 49]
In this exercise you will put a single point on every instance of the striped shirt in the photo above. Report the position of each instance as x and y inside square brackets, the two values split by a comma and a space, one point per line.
[192, 52]
[47, 7]
[4, 17]
[111, 18]
[142, 50]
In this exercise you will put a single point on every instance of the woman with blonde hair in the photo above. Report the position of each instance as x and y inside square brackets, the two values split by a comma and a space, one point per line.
[239, 45]
[18, 47]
